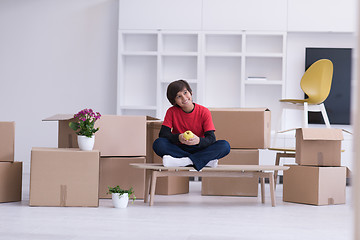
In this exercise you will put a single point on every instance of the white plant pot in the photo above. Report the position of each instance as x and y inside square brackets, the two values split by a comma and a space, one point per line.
[85, 143]
[120, 201]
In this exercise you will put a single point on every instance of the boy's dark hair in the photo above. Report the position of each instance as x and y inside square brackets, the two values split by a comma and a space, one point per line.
[176, 87]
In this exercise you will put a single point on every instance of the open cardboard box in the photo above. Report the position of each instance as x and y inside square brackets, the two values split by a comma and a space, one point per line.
[7, 141]
[243, 127]
[318, 146]
[152, 133]
[117, 136]
[229, 186]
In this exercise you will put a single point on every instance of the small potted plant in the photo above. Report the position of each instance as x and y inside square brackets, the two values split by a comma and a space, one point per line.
[120, 197]
[84, 126]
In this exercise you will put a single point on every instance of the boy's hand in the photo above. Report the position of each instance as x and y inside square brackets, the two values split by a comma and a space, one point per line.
[192, 141]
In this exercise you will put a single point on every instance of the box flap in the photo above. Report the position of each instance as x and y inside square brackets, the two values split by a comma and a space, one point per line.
[58, 117]
[7, 141]
[151, 118]
[50, 149]
[240, 109]
[322, 134]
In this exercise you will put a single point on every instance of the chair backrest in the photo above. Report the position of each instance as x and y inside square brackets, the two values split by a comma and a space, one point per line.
[316, 81]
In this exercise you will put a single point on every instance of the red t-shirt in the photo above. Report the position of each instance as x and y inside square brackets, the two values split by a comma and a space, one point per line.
[198, 121]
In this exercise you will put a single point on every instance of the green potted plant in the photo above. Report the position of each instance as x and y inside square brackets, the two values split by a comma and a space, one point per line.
[120, 197]
[84, 126]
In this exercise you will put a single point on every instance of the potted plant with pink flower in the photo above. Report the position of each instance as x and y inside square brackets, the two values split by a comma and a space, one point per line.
[84, 126]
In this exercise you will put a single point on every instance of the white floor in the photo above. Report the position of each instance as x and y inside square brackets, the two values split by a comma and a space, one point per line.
[187, 216]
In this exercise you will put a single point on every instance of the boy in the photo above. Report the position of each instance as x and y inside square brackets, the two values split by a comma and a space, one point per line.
[202, 149]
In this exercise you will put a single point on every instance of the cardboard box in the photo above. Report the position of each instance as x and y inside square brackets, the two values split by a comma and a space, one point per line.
[117, 171]
[7, 141]
[314, 185]
[243, 127]
[152, 133]
[64, 177]
[229, 186]
[10, 181]
[164, 185]
[172, 185]
[117, 136]
[318, 146]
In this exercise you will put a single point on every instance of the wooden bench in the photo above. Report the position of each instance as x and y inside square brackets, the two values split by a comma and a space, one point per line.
[155, 170]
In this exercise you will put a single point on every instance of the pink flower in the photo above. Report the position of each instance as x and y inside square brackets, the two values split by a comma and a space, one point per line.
[85, 120]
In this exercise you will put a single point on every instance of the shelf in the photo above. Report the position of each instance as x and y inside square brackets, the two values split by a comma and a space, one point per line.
[179, 54]
[223, 43]
[180, 42]
[139, 42]
[269, 67]
[139, 53]
[263, 82]
[258, 54]
[179, 67]
[265, 96]
[167, 81]
[222, 81]
[264, 43]
[140, 74]
[138, 107]
[222, 54]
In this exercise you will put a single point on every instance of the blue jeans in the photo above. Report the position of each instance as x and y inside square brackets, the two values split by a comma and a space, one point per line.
[199, 157]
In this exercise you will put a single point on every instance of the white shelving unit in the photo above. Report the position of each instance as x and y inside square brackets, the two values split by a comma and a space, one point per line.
[217, 65]
[265, 57]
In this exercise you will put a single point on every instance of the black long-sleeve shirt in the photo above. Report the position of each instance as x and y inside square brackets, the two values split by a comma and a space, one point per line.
[208, 139]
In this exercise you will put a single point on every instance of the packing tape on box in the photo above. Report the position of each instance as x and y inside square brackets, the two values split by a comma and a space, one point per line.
[63, 193]
[320, 158]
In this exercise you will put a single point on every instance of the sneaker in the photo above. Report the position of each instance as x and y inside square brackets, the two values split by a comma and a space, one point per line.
[169, 161]
[212, 163]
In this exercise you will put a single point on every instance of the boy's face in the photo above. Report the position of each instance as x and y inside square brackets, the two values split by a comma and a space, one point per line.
[184, 99]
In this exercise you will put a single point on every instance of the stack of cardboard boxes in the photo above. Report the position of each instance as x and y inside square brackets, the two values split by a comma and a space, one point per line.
[121, 140]
[319, 178]
[247, 130]
[10, 171]
[164, 185]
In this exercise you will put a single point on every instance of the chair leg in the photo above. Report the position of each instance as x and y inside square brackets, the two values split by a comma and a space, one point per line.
[324, 115]
[306, 110]
[277, 163]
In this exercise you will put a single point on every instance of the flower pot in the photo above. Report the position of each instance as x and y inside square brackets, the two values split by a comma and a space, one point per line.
[120, 201]
[86, 143]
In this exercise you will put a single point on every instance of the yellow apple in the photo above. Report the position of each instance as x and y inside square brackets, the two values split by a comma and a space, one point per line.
[188, 134]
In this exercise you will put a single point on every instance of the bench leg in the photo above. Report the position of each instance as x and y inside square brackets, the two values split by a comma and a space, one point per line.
[147, 185]
[277, 162]
[272, 188]
[262, 184]
[153, 186]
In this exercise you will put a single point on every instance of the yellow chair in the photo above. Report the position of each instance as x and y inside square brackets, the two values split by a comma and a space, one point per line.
[316, 84]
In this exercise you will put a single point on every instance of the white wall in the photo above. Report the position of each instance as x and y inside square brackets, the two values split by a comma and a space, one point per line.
[57, 56]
